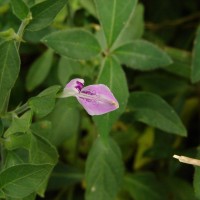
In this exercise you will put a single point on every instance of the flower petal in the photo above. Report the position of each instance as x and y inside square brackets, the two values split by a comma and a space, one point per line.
[97, 99]
[73, 87]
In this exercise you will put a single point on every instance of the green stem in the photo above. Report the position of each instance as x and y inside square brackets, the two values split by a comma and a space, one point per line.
[21, 30]
[22, 109]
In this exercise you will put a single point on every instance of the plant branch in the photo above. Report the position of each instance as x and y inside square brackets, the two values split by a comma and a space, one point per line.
[21, 29]
[172, 23]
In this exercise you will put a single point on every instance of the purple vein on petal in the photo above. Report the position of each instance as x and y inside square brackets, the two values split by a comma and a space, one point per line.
[97, 99]
[79, 85]
[73, 87]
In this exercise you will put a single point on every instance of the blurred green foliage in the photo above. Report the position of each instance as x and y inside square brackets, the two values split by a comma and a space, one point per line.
[146, 52]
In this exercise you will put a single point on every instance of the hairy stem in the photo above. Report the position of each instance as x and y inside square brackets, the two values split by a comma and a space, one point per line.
[21, 30]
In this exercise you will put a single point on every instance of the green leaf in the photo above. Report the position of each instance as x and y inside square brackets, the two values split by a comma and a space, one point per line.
[134, 28]
[104, 171]
[75, 44]
[156, 83]
[89, 6]
[69, 68]
[154, 111]
[12, 159]
[195, 72]
[113, 76]
[19, 124]
[9, 69]
[44, 103]
[143, 186]
[196, 182]
[64, 175]
[181, 65]
[29, 197]
[142, 55]
[66, 68]
[39, 70]
[20, 9]
[113, 16]
[21, 180]
[44, 13]
[65, 121]
[42, 127]
[19, 140]
[2, 195]
[41, 151]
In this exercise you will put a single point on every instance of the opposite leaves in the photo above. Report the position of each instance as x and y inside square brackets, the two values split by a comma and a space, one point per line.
[113, 16]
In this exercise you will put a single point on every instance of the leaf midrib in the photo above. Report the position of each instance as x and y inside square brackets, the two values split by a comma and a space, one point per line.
[112, 23]
[131, 54]
[17, 179]
[4, 66]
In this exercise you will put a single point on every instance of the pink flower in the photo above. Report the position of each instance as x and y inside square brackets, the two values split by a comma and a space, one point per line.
[96, 99]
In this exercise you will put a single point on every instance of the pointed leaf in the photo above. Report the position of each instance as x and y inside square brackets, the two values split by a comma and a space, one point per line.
[20, 9]
[75, 44]
[134, 28]
[67, 68]
[16, 141]
[65, 121]
[40, 146]
[181, 65]
[142, 55]
[112, 76]
[44, 13]
[20, 124]
[44, 103]
[195, 73]
[154, 111]
[21, 180]
[39, 70]
[104, 171]
[42, 152]
[113, 16]
[9, 69]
